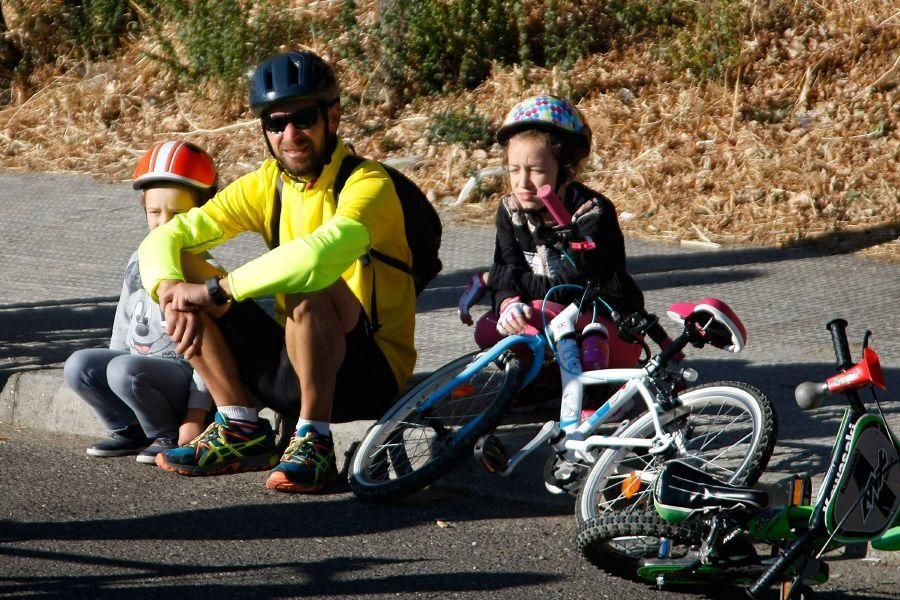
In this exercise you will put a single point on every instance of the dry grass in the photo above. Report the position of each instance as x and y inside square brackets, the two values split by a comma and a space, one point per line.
[803, 147]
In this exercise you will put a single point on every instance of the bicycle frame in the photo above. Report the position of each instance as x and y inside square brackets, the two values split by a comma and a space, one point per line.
[570, 434]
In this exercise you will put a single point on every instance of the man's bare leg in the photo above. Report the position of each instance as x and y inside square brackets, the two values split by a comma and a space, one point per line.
[315, 332]
[240, 443]
[314, 335]
[216, 365]
[254, 446]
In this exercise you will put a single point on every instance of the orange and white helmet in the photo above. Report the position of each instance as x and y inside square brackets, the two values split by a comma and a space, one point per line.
[177, 162]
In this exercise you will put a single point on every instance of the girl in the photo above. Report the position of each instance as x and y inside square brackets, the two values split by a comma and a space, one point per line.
[146, 395]
[545, 140]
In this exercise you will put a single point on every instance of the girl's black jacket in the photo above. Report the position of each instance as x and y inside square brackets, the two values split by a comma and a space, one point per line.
[527, 265]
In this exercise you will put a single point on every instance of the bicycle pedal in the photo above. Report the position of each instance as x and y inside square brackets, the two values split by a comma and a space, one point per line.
[562, 476]
[490, 452]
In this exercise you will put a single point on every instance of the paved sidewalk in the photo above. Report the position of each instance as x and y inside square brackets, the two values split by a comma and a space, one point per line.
[65, 240]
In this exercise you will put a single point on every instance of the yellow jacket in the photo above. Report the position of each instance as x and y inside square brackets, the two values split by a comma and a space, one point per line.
[319, 242]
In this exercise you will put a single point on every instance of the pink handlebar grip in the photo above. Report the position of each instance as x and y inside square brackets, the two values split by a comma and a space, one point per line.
[554, 205]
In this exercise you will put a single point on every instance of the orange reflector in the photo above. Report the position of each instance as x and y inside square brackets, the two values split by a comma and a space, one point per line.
[463, 390]
[631, 485]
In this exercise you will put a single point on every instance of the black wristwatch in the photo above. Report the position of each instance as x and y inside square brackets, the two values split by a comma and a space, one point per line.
[216, 292]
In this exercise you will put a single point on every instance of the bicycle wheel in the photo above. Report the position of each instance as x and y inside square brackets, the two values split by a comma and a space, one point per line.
[726, 428]
[616, 542]
[408, 449]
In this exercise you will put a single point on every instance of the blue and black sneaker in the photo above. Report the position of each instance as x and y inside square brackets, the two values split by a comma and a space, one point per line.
[223, 448]
[307, 466]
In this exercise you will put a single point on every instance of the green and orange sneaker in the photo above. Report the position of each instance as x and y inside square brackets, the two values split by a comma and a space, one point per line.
[223, 448]
[307, 466]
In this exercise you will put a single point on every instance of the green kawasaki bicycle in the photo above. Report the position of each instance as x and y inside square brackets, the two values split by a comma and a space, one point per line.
[704, 531]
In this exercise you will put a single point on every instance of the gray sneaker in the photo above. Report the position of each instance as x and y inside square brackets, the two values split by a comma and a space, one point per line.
[147, 456]
[130, 441]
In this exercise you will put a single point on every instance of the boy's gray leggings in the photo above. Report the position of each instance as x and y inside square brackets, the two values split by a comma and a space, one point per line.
[123, 387]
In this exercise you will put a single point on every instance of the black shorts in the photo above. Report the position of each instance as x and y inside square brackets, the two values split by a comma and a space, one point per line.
[365, 387]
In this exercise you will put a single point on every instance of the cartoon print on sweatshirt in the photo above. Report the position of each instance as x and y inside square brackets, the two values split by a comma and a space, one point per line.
[141, 318]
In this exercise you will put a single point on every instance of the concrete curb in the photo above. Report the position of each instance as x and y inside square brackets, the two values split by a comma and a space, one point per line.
[41, 400]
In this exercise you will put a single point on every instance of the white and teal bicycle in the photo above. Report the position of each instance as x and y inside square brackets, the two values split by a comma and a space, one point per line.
[727, 428]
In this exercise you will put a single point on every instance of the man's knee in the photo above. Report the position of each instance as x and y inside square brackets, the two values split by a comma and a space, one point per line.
[303, 306]
[336, 300]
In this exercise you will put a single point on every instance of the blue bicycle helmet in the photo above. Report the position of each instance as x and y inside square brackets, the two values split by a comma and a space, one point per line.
[292, 76]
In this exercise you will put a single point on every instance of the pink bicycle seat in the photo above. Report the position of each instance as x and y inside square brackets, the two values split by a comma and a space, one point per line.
[718, 324]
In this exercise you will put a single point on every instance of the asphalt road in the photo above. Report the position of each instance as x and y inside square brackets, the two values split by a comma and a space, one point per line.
[78, 527]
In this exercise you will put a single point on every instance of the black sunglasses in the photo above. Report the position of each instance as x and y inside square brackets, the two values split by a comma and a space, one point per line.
[303, 118]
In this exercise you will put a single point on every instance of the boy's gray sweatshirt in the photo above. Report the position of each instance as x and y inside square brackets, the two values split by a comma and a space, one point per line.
[138, 328]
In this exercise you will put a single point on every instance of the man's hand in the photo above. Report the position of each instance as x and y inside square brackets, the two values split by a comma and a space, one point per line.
[181, 303]
[183, 296]
[186, 330]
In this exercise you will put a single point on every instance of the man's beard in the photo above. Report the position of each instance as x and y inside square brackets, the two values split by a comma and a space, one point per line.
[310, 166]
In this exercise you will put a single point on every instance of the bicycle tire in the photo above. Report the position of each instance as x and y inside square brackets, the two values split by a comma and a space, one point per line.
[616, 542]
[612, 483]
[407, 450]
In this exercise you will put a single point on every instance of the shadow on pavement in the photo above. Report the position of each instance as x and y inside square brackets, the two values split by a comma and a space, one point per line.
[41, 334]
[836, 242]
[308, 578]
[273, 521]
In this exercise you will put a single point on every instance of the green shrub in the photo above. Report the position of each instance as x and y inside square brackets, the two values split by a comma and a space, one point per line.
[640, 17]
[710, 45]
[432, 46]
[98, 25]
[467, 129]
[45, 37]
[429, 46]
[571, 30]
[219, 41]
[86, 29]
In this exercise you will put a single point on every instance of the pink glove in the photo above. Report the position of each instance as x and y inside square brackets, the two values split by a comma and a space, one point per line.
[514, 316]
[472, 294]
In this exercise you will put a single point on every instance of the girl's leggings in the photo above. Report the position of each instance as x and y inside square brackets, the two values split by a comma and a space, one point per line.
[123, 388]
[622, 354]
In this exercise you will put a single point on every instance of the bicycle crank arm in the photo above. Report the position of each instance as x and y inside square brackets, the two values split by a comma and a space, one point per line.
[549, 431]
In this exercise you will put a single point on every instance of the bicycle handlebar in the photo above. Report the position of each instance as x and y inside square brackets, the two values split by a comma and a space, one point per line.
[838, 329]
[554, 205]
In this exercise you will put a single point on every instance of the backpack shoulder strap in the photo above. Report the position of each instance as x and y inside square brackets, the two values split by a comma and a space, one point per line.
[350, 162]
[275, 223]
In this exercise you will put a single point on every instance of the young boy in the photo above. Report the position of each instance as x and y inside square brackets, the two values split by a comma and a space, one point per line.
[147, 396]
